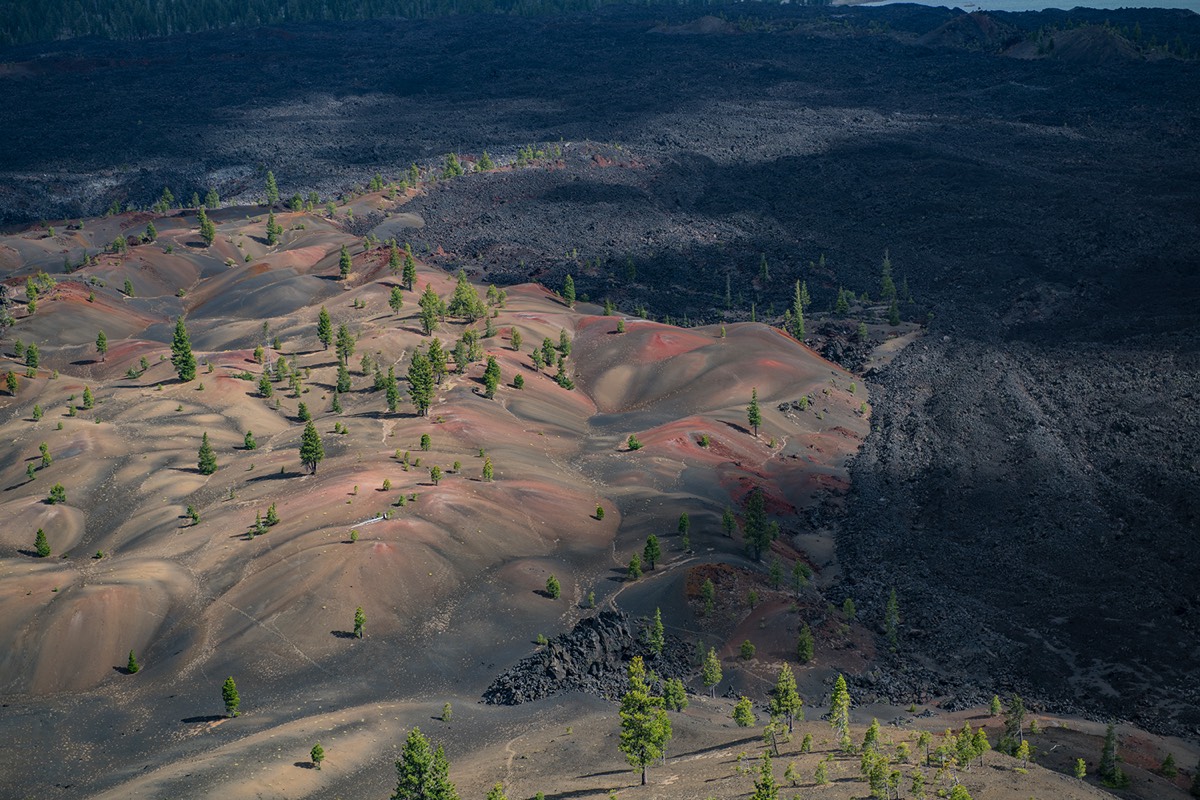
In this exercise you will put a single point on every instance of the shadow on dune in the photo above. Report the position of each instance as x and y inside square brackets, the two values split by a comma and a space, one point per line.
[274, 476]
[342, 634]
[198, 720]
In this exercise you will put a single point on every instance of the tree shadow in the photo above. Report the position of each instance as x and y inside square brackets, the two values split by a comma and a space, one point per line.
[305, 765]
[736, 427]
[30, 553]
[343, 634]
[603, 774]
[274, 476]
[123, 670]
[543, 593]
[206, 718]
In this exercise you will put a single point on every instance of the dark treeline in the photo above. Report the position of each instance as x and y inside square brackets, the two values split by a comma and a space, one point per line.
[25, 21]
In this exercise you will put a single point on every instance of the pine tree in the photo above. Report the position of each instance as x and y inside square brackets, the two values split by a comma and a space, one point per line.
[634, 570]
[710, 671]
[488, 470]
[422, 773]
[396, 299]
[1110, 767]
[645, 728]
[311, 450]
[132, 666]
[804, 644]
[569, 291]
[994, 706]
[842, 306]
[491, 378]
[651, 552]
[465, 302]
[675, 695]
[344, 263]
[765, 787]
[208, 231]
[207, 459]
[101, 345]
[344, 345]
[40, 544]
[360, 621]
[655, 635]
[265, 389]
[317, 755]
[785, 700]
[894, 313]
[273, 229]
[708, 595]
[272, 189]
[229, 694]
[1014, 725]
[435, 474]
[181, 353]
[420, 382]
[798, 312]
[839, 712]
[430, 309]
[33, 357]
[759, 532]
[248, 441]
[1080, 768]
[324, 328]
[343, 379]
[743, 713]
[887, 286]
[410, 268]
[394, 260]
[485, 164]
[753, 415]
[11, 383]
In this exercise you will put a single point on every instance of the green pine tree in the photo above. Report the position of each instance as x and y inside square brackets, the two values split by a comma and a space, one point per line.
[765, 787]
[491, 378]
[645, 728]
[272, 189]
[743, 713]
[710, 671]
[804, 644]
[317, 755]
[360, 622]
[422, 773]
[344, 263]
[132, 666]
[655, 635]
[101, 345]
[839, 712]
[181, 353]
[431, 306]
[229, 694]
[40, 544]
[753, 415]
[568, 292]
[651, 552]
[207, 459]
[311, 450]
[785, 700]
[324, 328]
[420, 382]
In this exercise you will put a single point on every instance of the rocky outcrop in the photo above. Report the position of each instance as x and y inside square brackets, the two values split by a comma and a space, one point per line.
[592, 657]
